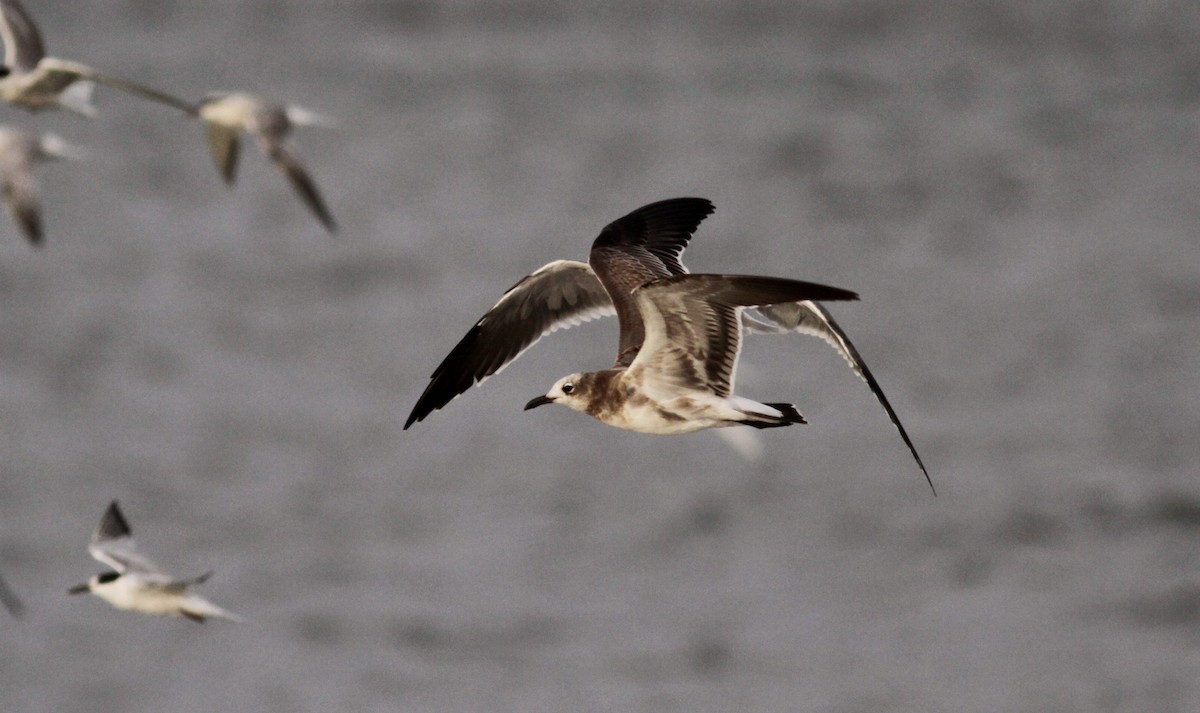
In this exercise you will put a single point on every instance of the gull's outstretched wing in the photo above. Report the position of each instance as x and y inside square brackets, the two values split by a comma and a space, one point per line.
[556, 296]
[808, 317]
[641, 246]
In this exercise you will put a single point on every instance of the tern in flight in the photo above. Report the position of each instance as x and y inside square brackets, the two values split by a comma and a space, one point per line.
[20, 153]
[137, 584]
[32, 80]
[227, 114]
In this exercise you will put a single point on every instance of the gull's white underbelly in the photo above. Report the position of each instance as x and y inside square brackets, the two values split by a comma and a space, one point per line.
[680, 414]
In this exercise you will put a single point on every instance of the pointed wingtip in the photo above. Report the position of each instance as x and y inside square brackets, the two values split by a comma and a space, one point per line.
[927, 478]
[10, 601]
[113, 524]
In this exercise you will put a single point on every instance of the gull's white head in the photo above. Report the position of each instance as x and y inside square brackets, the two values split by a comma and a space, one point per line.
[570, 391]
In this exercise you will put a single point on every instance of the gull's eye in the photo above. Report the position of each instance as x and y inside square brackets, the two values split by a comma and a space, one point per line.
[568, 388]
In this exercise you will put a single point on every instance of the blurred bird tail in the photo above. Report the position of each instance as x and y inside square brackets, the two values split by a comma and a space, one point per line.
[78, 98]
[198, 607]
[303, 117]
[55, 146]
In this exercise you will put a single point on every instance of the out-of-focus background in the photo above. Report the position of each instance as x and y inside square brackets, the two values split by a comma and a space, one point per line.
[1011, 186]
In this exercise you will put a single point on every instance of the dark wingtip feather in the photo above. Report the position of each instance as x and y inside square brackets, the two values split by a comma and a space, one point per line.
[754, 290]
[113, 525]
[11, 601]
[867, 376]
[450, 379]
[671, 221]
[29, 220]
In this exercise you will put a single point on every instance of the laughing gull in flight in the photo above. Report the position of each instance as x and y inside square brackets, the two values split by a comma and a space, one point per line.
[225, 114]
[20, 152]
[681, 380]
[32, 80]
[137, 583]
[635, 249]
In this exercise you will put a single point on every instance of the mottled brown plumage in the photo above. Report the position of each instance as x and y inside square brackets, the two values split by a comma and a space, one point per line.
[682, 379]
[630, 252]
[640, 247]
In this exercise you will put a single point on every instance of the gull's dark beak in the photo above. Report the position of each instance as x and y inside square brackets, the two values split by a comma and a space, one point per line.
[539, 401]
[80, 589]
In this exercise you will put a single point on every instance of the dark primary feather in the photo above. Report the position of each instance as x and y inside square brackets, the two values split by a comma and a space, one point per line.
[22, 199]
[559, 294]
[644, 245]
[662, 228]
[274, 127]
[10, 601]
[112, 543]
[31, 224]
[745, 290]
[113, 525]
[302, 184]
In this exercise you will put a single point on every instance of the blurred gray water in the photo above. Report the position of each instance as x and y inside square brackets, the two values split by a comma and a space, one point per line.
[1011, 186]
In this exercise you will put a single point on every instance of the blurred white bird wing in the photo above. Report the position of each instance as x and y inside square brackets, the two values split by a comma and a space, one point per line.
[123, 556]
[112, 543]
